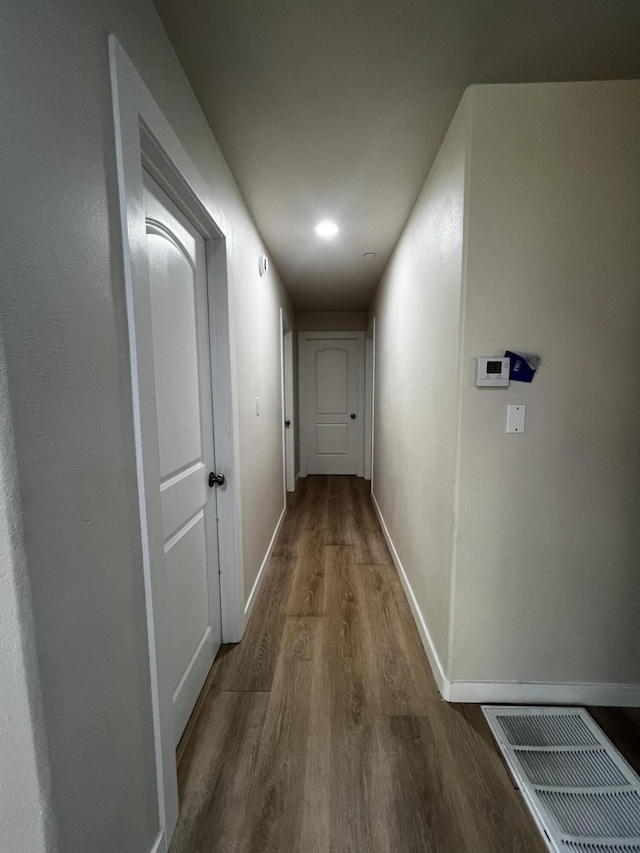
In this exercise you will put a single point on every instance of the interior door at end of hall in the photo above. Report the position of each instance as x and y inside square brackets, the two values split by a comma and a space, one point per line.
[182, 364]
[333, 423]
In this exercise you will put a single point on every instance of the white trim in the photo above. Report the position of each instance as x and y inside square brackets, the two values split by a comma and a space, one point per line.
[290, 442]
[144, 138]
[534, 693]
[160, 844]
[286, 379]
[506, 692]
[374, 335]
[303, 339]
[436, 666]
[283, 410]
[370, 394]
[361, 395]
[261, 573]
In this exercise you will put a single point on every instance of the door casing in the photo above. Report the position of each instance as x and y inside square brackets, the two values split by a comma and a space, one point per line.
[369, 399]
[288, 433]
[144, 139]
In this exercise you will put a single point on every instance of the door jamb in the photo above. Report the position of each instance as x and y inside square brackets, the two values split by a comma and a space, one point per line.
[288, 434]
[303, 338]
[144, 138]
[369, 405]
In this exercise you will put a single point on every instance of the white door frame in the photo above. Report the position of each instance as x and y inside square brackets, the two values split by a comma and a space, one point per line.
[288, 433]
[144, 138]
[303, 338]
[369, 398]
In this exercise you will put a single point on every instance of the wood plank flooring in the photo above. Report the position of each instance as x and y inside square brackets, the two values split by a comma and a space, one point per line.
[323, 731]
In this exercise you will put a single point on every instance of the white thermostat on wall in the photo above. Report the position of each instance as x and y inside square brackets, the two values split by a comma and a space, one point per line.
[492, 372]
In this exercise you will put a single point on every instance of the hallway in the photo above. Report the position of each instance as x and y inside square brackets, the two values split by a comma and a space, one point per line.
[323, 730]
[250, 242]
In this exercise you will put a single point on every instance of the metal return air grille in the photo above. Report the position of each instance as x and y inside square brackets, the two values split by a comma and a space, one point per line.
[583, 795]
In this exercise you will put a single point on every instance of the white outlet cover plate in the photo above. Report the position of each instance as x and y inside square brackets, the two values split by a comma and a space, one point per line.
[515, 418]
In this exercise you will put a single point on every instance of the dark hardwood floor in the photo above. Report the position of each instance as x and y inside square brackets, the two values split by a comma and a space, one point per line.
[323, 731]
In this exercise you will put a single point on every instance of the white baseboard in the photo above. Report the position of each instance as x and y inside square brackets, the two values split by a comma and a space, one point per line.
[444, 685]
[160, 844]
[258, 581]
[506, 692]
[532, 693]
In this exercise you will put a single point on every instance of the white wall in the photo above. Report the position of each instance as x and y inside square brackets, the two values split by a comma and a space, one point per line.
[331, 321]
[417, 310]
[257, 303]
[62, 310]
[548, 534]
[540, 586]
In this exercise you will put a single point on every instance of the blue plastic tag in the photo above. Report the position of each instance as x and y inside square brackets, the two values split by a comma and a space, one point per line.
[522, 366]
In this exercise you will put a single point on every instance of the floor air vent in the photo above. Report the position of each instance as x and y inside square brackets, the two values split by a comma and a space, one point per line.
[583, 795]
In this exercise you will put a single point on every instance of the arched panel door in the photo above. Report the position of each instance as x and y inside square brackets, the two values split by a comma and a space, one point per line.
[333, 421]
[182, 367]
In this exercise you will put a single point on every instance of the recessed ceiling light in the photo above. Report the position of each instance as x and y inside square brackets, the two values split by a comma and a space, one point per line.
[326, 229]
[369, 255]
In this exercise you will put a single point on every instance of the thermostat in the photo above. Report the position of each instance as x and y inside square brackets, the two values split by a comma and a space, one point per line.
[492, 372]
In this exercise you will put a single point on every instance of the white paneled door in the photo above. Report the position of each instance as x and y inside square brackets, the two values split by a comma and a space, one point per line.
[182, 366]
[332, 378]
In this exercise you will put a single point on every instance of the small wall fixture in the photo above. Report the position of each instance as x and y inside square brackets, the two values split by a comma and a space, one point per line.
[369, 255]
[263, 265]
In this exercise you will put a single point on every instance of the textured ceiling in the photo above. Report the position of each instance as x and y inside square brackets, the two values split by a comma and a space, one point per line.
[337, 108]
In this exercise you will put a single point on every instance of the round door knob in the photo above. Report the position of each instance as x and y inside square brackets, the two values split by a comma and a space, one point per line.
[216, 480]
[353, 416]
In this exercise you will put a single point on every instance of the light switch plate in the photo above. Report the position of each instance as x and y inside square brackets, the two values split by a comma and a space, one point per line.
[515, 418]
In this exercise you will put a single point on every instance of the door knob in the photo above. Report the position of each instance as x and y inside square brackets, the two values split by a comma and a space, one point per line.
[353, 416]
[287, 424]
[216, 480]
